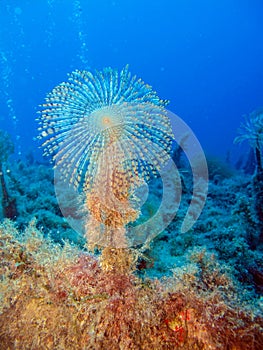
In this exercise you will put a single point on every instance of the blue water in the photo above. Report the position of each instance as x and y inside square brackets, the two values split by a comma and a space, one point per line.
[204, 56]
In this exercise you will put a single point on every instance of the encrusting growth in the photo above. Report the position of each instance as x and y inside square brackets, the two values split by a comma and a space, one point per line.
[107, 133]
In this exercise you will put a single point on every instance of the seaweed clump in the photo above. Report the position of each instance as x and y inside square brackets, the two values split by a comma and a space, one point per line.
[55, 297]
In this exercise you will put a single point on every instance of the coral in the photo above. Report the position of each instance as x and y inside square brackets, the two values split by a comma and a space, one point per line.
[107, 133]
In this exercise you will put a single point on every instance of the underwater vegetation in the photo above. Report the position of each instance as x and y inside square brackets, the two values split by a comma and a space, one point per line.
[61, 298]
[108, 133]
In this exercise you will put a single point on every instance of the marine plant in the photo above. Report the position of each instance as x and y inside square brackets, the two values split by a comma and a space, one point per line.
[252, 131]
[55, 297]
[107, 133]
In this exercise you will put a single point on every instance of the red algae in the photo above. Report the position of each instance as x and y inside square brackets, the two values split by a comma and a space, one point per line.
[66, 300]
